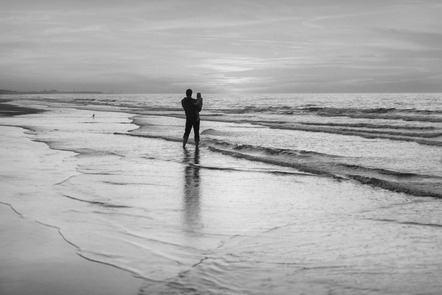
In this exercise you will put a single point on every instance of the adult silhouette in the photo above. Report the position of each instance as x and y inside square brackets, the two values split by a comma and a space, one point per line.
[192, 107]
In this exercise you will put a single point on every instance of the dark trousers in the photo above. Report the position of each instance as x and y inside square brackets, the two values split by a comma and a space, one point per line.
[196, 129]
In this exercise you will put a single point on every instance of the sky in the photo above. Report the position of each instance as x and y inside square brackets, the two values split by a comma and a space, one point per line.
[213, 46]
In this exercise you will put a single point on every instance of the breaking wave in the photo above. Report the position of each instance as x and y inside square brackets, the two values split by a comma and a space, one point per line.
[426, 135]
[324, 164]
[308, 162]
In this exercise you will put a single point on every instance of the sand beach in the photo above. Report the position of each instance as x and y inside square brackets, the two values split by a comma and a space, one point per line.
[35, 258]
[101, 205]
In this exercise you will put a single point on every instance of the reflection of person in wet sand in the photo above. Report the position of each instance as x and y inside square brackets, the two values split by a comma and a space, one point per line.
[192, 107]
[191, 190]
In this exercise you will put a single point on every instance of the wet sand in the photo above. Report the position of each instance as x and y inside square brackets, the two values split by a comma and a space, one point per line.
[35, 259]
[14, 110]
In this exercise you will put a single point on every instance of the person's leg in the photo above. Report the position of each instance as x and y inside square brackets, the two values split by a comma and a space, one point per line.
[187, 131]
[196, 131]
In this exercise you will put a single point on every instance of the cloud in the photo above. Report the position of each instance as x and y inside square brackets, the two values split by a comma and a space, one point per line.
[245, 45]
[419, 39]
[98, 28]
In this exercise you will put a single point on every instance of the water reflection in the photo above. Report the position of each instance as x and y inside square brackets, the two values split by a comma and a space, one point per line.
[192, 183]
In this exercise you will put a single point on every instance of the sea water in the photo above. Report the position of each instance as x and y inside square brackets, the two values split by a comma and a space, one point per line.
[287, 194]
[388, 140]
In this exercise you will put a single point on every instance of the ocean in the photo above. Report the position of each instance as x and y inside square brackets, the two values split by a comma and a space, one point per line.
[286, 194]
[388, 140]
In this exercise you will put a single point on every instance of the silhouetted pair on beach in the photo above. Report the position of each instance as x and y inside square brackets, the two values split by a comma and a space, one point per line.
[192, 108]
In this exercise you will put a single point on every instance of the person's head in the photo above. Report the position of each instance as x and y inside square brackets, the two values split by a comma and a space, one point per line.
[189, 92]
[198, 95]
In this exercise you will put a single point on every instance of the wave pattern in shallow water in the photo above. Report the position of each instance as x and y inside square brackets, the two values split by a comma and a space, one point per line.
[401, 133]
[329, 165]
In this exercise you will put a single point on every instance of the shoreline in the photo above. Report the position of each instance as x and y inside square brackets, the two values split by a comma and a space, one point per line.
[364, 176]
[37, 260]
[8, 110]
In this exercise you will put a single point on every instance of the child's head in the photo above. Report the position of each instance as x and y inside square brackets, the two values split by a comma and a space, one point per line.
[198, 95]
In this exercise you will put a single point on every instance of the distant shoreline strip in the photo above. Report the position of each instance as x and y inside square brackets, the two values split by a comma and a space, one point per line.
[10, 110]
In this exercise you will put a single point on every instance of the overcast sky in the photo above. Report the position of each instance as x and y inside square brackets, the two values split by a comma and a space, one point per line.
[166, 46]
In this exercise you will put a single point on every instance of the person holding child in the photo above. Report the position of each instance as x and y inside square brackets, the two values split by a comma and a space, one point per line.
[192, 108]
